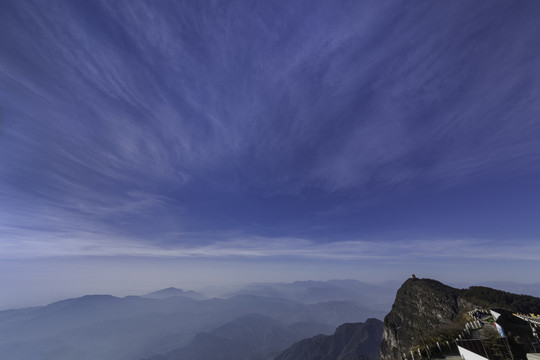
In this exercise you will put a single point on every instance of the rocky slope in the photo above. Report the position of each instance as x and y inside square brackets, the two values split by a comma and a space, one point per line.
[426, 309]
[250, 337]
[349, 342]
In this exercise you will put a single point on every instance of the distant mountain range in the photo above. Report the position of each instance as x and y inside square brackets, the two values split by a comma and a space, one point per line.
[379, 296]
[172, 320]
[172, 291]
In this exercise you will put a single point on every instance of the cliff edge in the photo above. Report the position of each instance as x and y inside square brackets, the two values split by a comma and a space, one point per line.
[426, 311]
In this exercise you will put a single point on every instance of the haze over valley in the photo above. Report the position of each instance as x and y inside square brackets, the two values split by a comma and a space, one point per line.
[255, 322]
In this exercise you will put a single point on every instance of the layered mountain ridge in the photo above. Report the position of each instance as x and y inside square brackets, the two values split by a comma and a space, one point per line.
[172, 320]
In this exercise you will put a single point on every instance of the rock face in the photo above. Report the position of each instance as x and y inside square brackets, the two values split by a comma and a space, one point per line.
[349, 342]
[437, 303]
[424, 306]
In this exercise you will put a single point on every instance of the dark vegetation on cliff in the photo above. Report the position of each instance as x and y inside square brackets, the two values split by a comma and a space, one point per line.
[487, 297]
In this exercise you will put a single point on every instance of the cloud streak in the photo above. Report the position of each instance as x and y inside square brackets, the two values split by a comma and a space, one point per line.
[136, 120]
[349, 108]
[76, 244]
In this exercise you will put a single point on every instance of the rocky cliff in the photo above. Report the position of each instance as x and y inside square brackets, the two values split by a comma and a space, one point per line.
[420, 305]
[349, 342]
[426, 309]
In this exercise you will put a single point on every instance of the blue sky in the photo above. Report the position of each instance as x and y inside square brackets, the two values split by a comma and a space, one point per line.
[350, 135]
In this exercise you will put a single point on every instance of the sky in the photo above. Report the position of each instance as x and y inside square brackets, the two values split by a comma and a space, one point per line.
[158, 143]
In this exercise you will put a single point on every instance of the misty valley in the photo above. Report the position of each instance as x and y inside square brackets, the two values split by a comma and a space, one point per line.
[256, 322]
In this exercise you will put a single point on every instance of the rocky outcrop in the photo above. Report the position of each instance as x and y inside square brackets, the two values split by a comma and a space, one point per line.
[349, 342]
[437, 303]
[426, 309]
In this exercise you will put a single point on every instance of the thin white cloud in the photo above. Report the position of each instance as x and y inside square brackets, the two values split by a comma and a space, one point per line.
[78, 243]
[374, 90]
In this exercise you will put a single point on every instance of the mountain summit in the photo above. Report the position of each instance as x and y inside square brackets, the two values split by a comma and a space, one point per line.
[427, 311]
[172, 291]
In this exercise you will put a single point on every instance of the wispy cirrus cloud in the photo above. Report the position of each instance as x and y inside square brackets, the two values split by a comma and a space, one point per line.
[37, 244]
[187, 96]
[135, 119]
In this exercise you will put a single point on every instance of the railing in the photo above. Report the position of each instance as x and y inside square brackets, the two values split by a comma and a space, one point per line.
[496, 349]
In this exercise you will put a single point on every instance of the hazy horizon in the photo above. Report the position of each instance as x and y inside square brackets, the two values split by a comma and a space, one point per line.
[33, 292]
[192, 143]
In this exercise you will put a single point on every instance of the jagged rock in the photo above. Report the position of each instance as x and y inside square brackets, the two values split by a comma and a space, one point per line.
[420, 305]
[424, 306]
[349, 342]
